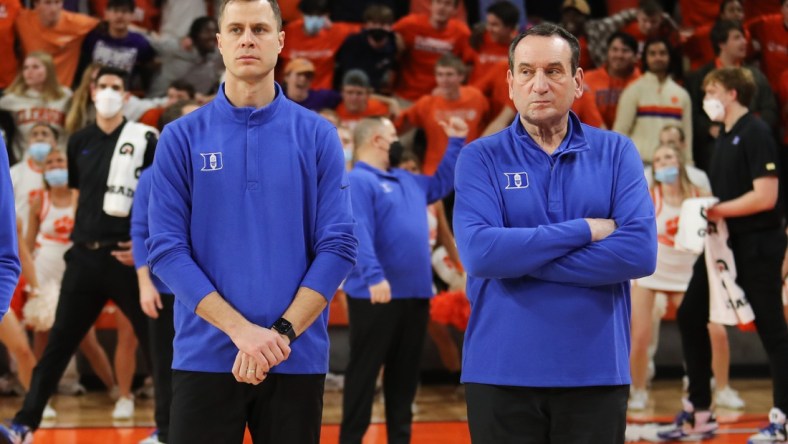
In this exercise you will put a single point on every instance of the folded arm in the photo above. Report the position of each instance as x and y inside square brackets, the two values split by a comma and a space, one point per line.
[630, 251]
[489, 249]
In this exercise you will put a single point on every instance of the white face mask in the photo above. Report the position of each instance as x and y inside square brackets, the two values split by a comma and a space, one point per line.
[108, 103]
[714, 109]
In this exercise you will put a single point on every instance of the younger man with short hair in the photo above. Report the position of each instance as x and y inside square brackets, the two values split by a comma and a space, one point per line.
[744, 176]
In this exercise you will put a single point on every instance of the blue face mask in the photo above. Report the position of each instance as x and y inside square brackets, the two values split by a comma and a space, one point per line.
[667, 174]
[57, 177]
[314, 23]
[39, 150]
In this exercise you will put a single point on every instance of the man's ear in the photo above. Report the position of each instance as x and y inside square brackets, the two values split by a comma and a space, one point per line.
[578, 78]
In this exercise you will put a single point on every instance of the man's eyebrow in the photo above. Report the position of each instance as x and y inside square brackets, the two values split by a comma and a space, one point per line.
[244, 24]
[549, 65]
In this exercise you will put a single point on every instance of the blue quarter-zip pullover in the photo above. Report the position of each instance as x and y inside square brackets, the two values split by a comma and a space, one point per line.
[9, 257]
[139, 228]
[252, 203]
[390, 208]
[551, 308]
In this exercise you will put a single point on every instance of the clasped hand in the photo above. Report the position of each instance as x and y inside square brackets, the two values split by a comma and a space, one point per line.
[259, 350]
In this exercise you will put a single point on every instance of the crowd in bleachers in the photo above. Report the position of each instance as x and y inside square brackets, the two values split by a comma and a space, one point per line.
[170, 52]
[419, 63]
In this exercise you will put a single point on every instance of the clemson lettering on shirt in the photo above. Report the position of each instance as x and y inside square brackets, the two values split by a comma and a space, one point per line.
[33, 115]
[430, 44]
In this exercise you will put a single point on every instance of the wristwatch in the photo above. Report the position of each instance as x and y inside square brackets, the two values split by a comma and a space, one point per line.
[284, 327]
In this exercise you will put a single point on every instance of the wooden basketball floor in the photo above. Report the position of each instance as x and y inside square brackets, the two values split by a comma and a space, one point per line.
[440, 416]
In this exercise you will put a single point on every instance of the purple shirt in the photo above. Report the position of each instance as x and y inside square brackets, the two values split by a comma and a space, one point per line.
[318, 99]
[124, 53]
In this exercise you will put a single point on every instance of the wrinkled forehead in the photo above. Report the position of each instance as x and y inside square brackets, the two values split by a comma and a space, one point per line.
[542, 51]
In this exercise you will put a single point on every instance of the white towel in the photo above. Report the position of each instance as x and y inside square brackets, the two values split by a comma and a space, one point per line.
[727, 302]
[125, 168]
[692, 223]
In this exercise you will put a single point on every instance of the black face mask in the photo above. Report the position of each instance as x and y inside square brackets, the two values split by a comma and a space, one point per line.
[378, 35]
[395, 154]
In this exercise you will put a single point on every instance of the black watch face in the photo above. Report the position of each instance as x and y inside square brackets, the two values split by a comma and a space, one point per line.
[283, 326]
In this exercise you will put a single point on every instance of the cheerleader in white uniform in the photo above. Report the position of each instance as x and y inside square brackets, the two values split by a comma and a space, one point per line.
[48, 236]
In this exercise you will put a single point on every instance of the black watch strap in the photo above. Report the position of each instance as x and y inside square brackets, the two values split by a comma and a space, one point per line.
[284, 327]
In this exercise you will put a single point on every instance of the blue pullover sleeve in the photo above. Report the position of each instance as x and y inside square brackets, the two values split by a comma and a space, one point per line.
[442, 183]
[630, 252]
[169, 244]
[489, 249]
[139, 220]
[335, 246]
[364, 213]
[9, 256]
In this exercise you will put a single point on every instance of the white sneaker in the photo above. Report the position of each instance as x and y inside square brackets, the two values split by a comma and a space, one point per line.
[124, 409]
[334, 382]
[689, 425]
[775, 432]
[49, 412]
[728, 398]
[638, 399]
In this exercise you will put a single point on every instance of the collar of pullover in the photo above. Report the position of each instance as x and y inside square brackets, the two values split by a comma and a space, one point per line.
[390, 174]
[574, 141]
[247, 113]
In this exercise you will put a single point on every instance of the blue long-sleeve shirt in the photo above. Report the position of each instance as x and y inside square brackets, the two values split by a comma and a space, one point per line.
[139, 228]
[9, 254]
[551, 308]
[390, 208]
[252, 203]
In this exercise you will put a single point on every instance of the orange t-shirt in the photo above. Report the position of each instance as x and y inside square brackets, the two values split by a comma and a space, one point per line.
[318, 49]
[424, 45]
[756, 8]
[489, 54]
[586, 61]
[374, 108]
[424, 7]
[782, 92]
[616, 6]
[63, 41]
[148, 13]
[152, 116]
[699, 49]
[772, 35]
[472, 107]
[606, 90]
[290, 10]
[587, 111]
[495, 87]
[9, 9]
[697, 13]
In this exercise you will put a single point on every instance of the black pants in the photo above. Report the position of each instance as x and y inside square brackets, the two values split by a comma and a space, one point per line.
[215, 408]
[91, 278]
[389, 335]
[758, 259]
[534, 415]
[162, 332]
